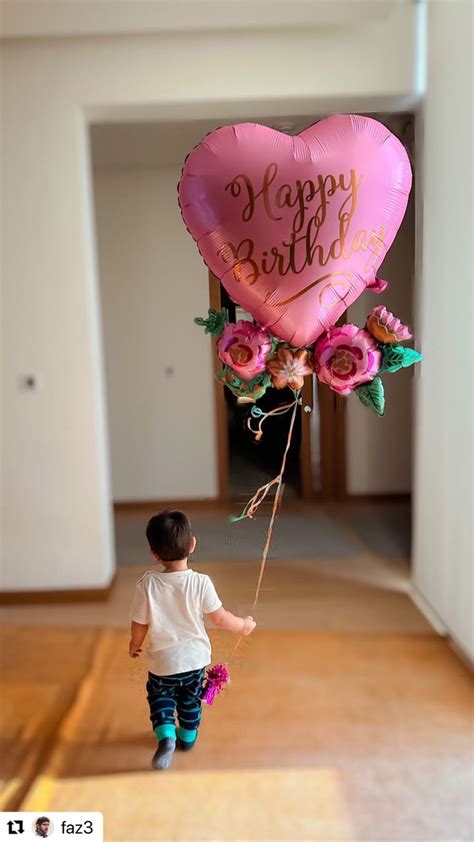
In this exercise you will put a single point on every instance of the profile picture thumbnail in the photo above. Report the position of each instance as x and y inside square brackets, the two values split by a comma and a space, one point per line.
[43, 827]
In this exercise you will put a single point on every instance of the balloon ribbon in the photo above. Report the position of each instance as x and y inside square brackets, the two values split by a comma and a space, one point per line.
[262, 492]
[217, 676]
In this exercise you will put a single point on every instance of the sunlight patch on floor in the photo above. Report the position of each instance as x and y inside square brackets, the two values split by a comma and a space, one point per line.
[267, 804]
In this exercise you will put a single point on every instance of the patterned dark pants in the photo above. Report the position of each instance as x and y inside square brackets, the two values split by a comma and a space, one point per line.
[175, 694]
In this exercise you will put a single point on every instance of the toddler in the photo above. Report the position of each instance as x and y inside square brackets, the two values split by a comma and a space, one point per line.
[170, 605]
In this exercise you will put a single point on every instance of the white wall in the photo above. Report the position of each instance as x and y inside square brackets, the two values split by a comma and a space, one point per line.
[444, 470]
[379, 451]
[56, 499]
[153, 283]
[56, 514]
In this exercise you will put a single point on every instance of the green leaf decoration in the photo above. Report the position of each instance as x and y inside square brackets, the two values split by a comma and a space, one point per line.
[372, 395]
[253, 390]
[275, 343]
[392, 357]
[411, 357]
[215, 322]
[395, 357]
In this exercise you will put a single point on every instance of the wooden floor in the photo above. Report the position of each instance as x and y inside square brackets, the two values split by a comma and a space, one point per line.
[347, 717]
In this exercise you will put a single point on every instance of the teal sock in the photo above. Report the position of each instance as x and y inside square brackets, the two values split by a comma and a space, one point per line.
[186, 735]
[166, 730]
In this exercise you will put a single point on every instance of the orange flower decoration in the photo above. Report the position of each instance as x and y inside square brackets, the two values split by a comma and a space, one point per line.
[289, 369]
[386, 328]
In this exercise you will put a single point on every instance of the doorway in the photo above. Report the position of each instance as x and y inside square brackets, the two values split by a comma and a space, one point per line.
[315, 467]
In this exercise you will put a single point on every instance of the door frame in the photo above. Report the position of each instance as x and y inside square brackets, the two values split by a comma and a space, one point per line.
[220, 405]
[332, 431]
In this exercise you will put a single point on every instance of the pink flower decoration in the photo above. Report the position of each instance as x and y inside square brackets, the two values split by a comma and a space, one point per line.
[386, 327]
[216, 677]
[346, 357]
[245, 348]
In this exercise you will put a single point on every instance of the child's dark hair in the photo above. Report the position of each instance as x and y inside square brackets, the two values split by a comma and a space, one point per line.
[169, 535]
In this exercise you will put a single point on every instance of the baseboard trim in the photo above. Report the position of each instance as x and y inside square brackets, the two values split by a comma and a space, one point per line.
[398, 497]
[428, 612]
[218, 504]
[434, 620]
[205, 504]
[50, 597]
[461, 653]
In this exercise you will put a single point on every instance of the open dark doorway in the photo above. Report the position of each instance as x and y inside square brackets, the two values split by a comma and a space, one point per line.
[252, 463]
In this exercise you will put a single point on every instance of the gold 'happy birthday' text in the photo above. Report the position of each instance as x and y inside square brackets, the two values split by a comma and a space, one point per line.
[310, 201]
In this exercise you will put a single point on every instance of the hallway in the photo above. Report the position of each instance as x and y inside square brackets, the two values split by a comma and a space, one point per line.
[347, 718]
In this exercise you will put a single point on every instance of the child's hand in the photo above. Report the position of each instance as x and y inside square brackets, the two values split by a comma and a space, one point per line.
[249, 625]
[134, 650]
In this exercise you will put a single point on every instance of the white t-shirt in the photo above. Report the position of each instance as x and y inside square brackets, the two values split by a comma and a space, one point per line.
[172, 605]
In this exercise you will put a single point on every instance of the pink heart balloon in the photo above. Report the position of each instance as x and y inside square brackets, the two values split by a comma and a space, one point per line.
[296, 227]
